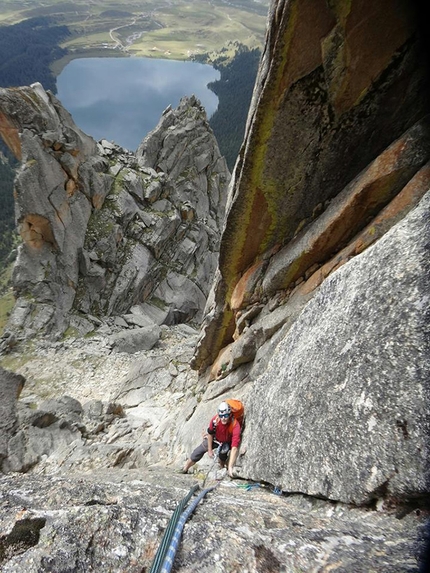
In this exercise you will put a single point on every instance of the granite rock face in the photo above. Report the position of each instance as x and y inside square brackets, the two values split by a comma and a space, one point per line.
[319, 314]
[350, 380]
[337, 86]
[318, 318]
[115, 523]
[10, 388]
[100, 491]
[105, 230]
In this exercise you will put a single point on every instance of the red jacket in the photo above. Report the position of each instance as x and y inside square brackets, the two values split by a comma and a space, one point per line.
[225, 433]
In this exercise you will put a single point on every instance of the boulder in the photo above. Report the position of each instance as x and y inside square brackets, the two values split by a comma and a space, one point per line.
[30, 445]
[63, 433]
[135, 339]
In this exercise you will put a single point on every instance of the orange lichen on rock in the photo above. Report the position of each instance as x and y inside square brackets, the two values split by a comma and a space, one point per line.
[10, 135]
[221, 363]
[70, 187]
[245, 287]
[35, 231]
[389, 216]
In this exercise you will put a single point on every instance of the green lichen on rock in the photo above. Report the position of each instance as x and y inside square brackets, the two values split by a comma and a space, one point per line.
[102, 222]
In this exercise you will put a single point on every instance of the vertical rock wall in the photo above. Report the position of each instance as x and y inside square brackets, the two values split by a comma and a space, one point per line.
[343, 409]
[338, 83]
[319, 315]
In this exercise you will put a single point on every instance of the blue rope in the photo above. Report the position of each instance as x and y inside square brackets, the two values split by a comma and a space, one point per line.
[174, 544]
[168, 534]
[247, 486]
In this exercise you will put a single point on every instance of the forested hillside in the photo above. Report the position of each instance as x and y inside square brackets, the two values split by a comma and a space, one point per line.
[234, 90]
[26, 51]
[7, 225]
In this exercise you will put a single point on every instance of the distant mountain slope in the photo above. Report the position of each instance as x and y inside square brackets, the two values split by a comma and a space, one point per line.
[234, 91]
[26, 51]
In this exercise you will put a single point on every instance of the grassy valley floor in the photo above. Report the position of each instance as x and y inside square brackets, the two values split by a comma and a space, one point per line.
[175, 29]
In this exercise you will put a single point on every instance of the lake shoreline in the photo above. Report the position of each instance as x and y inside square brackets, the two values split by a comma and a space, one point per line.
[122, 99]
[58, 66]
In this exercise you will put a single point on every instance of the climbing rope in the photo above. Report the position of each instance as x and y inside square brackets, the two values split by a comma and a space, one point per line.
[168, 534]
[169, 544]
[171, 552]
[166, 552]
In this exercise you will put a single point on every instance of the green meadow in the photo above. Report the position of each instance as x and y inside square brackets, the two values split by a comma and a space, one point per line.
[174, 29]
[7, 299]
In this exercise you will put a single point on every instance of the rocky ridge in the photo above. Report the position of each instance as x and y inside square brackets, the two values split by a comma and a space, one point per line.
[107, 232]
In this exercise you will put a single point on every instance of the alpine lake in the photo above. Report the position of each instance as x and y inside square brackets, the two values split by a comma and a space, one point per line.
[122, 99]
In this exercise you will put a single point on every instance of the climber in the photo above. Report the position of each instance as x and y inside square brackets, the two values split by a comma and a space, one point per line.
[223, 432]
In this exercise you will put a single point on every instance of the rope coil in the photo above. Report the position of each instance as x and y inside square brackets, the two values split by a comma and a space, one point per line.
[165, 556]
[168, 534]
[170, 556]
